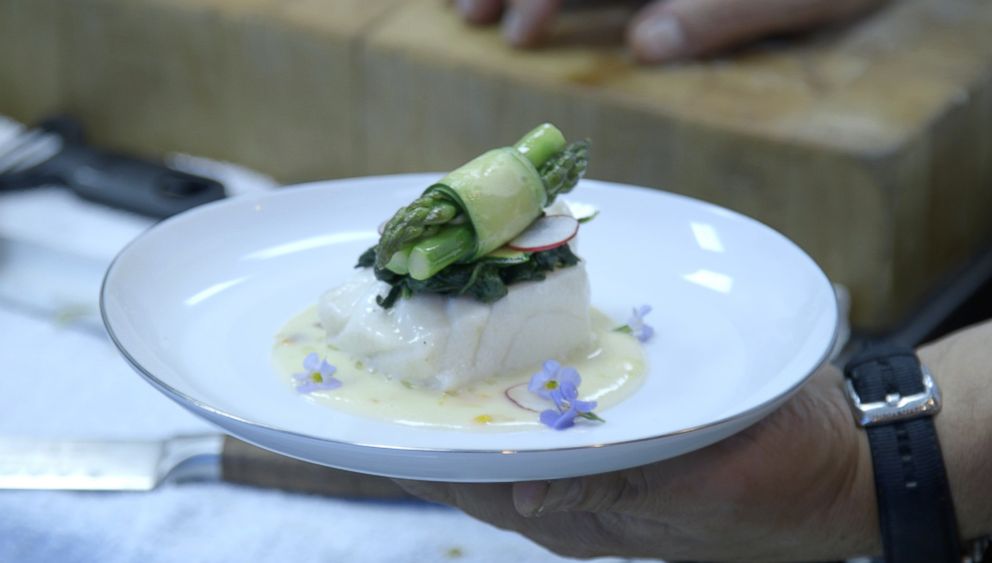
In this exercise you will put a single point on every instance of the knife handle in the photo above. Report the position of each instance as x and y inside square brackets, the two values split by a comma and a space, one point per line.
[126, 182]
[56, 152]
[245, 464]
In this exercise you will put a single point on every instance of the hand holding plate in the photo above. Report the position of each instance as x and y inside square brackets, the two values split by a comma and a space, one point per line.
[796, 485]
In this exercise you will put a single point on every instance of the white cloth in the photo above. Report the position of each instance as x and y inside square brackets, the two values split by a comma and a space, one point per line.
[61, 382]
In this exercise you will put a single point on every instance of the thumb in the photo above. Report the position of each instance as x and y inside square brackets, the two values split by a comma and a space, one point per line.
[668, 30]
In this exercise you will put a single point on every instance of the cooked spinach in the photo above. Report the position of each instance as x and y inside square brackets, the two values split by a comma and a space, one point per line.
[486, 281]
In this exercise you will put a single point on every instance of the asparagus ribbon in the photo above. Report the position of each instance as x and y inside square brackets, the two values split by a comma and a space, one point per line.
[482, 205]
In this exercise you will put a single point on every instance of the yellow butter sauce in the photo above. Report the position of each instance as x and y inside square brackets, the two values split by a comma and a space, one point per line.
[611, 369]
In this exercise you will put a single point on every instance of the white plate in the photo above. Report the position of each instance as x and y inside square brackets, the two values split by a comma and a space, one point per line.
[742, 317]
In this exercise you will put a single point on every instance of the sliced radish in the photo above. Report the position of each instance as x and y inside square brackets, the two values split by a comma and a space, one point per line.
[521, 396]
[550, 231]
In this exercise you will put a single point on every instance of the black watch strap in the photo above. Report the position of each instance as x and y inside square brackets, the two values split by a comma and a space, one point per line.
[916, 511]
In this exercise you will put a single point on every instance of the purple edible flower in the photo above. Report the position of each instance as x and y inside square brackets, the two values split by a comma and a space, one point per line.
[568, 408]
[318, 375]
[637, 326]
[548, 382]
[561, 385]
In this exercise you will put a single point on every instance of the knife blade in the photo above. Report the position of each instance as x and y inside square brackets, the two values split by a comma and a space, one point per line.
[144, 465]
[106, 465]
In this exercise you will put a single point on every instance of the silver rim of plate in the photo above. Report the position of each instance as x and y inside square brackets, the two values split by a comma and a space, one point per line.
[194, 404]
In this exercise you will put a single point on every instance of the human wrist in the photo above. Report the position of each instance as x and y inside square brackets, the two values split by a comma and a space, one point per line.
[960, 365]
[858, 506]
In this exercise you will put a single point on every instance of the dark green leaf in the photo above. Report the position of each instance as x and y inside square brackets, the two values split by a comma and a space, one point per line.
[484, 280]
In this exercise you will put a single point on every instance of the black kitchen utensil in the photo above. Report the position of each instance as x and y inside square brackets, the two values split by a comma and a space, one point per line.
[55, 152]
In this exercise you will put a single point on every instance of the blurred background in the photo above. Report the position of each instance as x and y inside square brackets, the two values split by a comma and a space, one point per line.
[868, 143]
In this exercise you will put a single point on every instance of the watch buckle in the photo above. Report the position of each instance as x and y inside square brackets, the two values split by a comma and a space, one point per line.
[895, 407]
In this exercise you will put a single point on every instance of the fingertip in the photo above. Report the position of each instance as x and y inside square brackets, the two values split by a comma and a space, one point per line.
[519, 29]
[667, 30]
[526, 21]
[515, 28]
[480, 11]
[657, 39]
[528, 497]
[429, 491]
[563, 495]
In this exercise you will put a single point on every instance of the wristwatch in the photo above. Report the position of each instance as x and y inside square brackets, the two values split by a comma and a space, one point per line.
[894, 397]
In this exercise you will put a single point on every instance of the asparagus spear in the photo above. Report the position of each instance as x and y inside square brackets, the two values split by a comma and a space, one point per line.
[416, 221]
[446, 247]
[559, 175]
[562, 172]
[425, 228]
[422, 218]
[540, 144]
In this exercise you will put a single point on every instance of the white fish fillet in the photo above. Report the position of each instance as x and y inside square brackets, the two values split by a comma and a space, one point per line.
[446, 343]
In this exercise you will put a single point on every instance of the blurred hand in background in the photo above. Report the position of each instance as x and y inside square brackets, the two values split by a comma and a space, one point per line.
[670, 30]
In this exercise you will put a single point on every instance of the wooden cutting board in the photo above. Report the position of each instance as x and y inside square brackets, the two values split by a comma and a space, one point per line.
[869, 145]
